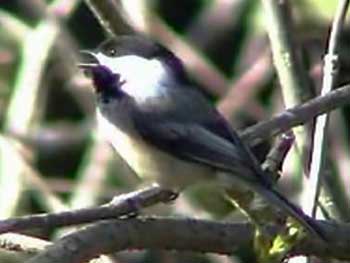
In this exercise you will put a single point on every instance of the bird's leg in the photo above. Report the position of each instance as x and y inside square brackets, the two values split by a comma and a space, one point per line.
[260, 217]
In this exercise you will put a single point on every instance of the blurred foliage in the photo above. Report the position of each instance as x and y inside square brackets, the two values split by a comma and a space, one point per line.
[60, 142]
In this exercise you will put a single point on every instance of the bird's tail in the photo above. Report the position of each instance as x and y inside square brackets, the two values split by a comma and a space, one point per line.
[283, 203]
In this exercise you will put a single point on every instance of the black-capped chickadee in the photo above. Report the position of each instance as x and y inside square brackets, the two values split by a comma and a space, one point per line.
[165, 128]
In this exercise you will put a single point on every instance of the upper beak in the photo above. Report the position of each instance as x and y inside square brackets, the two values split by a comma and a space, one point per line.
[89, 59]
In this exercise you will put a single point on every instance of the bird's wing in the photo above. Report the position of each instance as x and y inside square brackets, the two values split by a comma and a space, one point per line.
[197, 133]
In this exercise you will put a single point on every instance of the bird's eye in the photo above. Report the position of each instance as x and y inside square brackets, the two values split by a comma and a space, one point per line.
[112, 52]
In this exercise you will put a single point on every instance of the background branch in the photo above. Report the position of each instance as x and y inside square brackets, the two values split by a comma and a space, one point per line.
[297, 115]
[330, 71]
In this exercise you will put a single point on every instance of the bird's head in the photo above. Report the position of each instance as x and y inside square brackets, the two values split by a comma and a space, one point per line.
[132, 65]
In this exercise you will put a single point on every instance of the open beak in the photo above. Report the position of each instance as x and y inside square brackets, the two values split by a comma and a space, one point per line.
[89, 60]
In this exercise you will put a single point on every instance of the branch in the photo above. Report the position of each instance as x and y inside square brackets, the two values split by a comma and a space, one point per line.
[122, 205]
[297, 115]
[22, 243]
[291, 72]
[108, 15]
[330, 71]
[277, 154]
[180, 234]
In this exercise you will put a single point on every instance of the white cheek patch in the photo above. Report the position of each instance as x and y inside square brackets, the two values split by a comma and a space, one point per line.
[142, 76]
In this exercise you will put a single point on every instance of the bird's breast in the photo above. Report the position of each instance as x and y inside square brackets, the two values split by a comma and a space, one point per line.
[146, 160]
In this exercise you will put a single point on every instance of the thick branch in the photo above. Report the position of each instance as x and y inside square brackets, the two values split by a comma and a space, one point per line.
[180, 234]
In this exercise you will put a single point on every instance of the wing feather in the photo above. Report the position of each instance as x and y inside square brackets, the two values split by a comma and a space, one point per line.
[196, 133]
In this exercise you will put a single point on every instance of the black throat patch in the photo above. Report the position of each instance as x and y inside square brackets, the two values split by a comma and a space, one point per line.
[107, 84]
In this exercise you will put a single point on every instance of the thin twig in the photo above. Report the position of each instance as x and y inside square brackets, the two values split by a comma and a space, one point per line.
[277, 154]
[297, 115]
[291, 72]
[108, 16]
[330, 71]
[121, 205]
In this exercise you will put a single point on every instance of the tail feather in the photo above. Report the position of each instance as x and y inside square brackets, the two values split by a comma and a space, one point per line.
[283, 203]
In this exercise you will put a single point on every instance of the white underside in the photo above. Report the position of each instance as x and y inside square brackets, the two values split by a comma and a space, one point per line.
[147, 161]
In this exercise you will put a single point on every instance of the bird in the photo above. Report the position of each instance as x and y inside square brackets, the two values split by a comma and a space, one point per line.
[164, 126]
